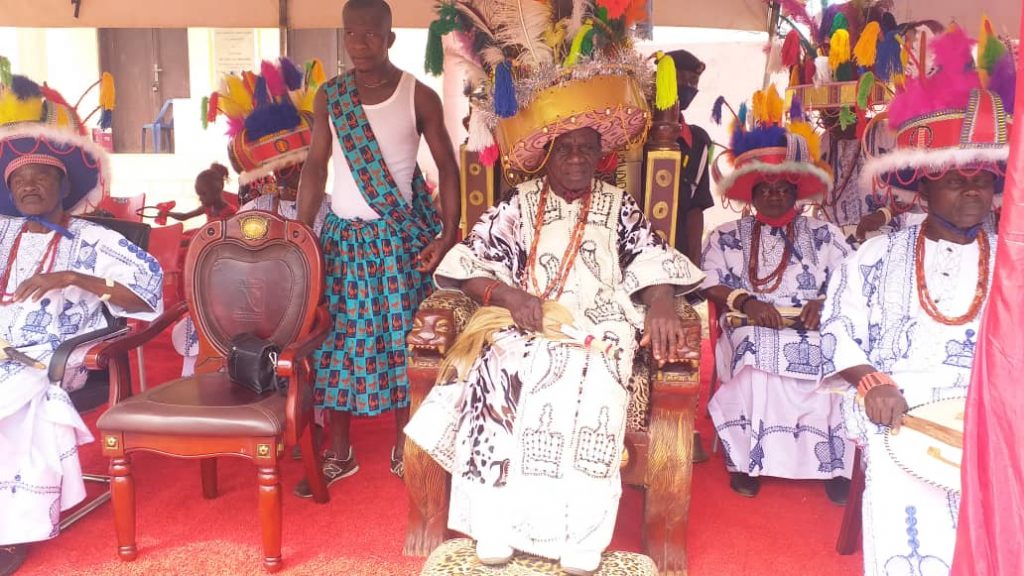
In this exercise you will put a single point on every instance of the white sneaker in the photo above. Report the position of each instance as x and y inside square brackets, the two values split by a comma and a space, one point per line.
[581, 563]
[492, 553]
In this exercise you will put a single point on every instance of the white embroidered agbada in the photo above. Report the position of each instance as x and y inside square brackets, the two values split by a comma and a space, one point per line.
[533, 436]
[873, 316]
[40, 431]
[771, 414]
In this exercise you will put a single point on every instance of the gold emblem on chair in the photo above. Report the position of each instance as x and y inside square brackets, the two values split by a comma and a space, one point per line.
[660, 210]
[254, 227]
[263, 450]
[110, 442]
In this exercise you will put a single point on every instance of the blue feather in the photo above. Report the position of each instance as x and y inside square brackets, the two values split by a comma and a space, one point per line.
[505, 104]
[716, 111]
[293, 77]
[887, 60]
[742, 116]
[760, 137]
[271, 118]
[24, 88]
[260, 94]
[796, 110]
[106, 116]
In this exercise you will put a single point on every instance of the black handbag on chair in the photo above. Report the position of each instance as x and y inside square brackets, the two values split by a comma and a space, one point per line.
[252, 364]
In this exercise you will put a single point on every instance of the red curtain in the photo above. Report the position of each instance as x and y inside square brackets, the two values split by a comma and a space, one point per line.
[990, 533]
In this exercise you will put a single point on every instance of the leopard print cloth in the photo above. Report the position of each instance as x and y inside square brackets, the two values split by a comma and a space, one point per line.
[463, 307]
[458, 558]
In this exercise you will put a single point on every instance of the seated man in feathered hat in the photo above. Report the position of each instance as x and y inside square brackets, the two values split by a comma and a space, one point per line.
[530, 421]
[57, 274]
[902, 314]
[767, 274]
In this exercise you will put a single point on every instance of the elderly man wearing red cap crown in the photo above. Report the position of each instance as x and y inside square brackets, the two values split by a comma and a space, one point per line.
[57, 274]
[902, 314]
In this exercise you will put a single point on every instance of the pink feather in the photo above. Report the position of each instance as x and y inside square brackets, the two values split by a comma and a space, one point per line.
[948, 87]
[797, 12]
[275, 81]
[489, 155]
[235, 126]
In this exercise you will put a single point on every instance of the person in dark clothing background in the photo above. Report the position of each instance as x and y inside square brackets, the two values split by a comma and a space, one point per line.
[695, 183]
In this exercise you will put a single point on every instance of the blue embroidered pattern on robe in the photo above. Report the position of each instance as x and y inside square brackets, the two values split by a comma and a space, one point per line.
[805, 280]
[960, 353]
[828, 353]
[69, 320]
[731, 280]
[87, 256]
[871, 276]
[913, 563]
[729, 241]
[803, 357]
[830, 451]
[746, 347]
[822, 236]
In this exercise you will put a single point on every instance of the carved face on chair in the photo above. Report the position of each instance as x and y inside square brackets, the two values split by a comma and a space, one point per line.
[430, 330]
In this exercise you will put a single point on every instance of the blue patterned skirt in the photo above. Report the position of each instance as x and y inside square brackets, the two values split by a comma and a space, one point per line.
[372, 290]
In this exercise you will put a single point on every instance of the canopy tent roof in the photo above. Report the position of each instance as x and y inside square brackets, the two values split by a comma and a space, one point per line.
[726, 14]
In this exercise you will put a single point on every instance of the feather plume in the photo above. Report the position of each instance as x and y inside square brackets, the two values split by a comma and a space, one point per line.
[316, 73]
[864, 88]
[522, 23]
[758, 108]
[479, 136]
[791, 49]
[796, 109]
[306, 99]
[250, 80]
[774, 105]
[474, 71]
[492, 56]
[774, 51]
[204, 111]
[866, 49]
[577, 16]
[238, 93]
[716, 110]
[888, 60]
[1003, 81]
[25, 88]
[211, 113]
[615, 8]
[291, 73]
[949, 87]
[261, 95]
[235, 126]
[807, 132]
[489, 155]
[478, 15]
[108, 92]
[5, 72]
[274, 79]
[822, 71]
[796, 10]
[741, 116]
[990, 49]
[761, 137]
[14, 109]
[839, 48]
[637, 12]
[270, 118]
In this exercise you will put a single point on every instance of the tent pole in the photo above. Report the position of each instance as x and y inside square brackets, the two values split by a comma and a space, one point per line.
[774, 17]
[282, 23]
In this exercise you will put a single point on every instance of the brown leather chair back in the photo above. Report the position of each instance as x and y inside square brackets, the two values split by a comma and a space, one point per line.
[255, 272]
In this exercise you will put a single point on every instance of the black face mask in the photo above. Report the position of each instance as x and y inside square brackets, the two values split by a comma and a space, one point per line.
[686, 95]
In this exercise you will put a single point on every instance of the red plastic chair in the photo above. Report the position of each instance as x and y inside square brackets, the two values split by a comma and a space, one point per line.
[123, 208]
[165, 246]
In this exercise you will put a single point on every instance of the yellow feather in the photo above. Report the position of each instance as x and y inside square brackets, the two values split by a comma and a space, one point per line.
[316, 75]
[806, 130]
[867, 45]
[839, 49]
[63, 120]
[759, 108]
[230, 108]
[108, 94]
[239, 93]
[774, 105]
[13, 110]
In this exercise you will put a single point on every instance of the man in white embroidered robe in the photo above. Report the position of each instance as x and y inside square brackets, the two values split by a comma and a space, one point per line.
[533, 434]
[769, 411]
[58, 274]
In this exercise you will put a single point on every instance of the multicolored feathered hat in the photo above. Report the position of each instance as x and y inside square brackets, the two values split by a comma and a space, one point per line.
[765, 147]
[854, 57]
[954, 116]
[38, 126]
[270, 115]
[541, 68]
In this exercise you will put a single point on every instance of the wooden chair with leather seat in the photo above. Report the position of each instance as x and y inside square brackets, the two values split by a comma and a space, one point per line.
[94, 393]
[258, 273]
[658, 444]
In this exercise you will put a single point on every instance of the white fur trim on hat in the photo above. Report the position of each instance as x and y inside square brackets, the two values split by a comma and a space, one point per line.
[282, 161]
[931, 159]
[66, 136]
[801, 168]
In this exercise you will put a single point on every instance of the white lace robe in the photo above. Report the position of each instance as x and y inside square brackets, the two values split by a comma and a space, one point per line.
[40, 431]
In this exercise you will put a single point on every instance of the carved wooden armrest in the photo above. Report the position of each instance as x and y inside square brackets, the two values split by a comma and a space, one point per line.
[692, 326]
[438, 322]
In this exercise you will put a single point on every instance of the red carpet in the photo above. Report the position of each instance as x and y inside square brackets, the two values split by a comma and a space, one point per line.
[788, 530]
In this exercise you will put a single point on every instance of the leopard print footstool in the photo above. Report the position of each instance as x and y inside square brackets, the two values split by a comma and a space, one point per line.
[457, 557]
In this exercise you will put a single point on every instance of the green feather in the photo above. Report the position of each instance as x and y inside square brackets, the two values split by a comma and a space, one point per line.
[839, 23]
[864, 87]
[204, 107]
[846, 117]
[990, 53]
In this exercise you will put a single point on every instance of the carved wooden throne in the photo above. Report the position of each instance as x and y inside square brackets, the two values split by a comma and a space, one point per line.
[659, 435]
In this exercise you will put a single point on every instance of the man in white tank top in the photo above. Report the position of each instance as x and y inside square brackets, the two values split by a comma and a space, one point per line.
[382, 238]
